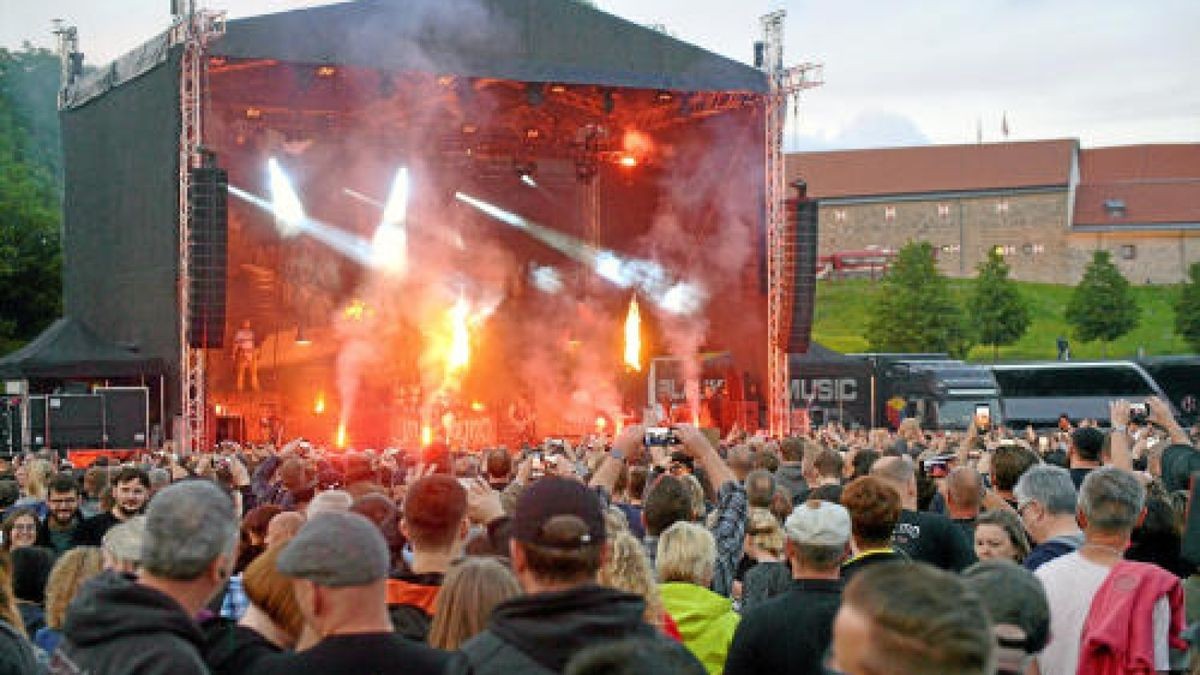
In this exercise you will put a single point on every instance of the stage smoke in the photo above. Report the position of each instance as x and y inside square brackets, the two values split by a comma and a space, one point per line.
[674, 296]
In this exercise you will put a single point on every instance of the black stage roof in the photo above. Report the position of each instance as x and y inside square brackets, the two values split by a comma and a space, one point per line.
[528, 40]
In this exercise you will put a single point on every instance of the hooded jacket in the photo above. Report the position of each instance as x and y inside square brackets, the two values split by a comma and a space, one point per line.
[705, 619]
[116, 625]
[540, 633]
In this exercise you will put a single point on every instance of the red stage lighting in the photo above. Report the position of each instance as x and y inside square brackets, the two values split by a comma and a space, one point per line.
[628, 161]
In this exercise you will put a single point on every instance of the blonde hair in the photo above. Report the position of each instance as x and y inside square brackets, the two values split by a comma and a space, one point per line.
[696, 491]
[8, 602]
[764, 531]
[470, 591]
[615, 521]
[37, 482]
[72, 569]
[686, 552]
[628, 569]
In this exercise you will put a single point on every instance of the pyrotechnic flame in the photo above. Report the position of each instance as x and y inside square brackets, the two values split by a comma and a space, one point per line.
[460, 346]
[356, 310]
[426, 435]
[340, 440]
[633, 337]
[478, 406]
[319, 405]
[601, 423]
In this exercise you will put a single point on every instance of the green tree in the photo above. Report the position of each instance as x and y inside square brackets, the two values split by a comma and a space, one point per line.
[30, 194]
[914, 310]
[998, 313]
[1187, 309]
[1102, 307]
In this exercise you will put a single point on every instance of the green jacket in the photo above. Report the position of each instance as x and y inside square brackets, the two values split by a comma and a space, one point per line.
[705, 619]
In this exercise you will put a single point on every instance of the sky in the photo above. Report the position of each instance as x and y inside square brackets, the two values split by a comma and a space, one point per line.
[1108, 72]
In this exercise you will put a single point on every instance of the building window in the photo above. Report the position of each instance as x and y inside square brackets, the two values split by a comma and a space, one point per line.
[1033, 249]
[1005, 249]
[1128, 252]
[889, 213]
[944, 210]
[951, 248]
[839, 215]
[1002, 206]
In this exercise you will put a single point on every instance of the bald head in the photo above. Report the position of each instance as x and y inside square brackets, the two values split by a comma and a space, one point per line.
[898, 472]
[964, 490]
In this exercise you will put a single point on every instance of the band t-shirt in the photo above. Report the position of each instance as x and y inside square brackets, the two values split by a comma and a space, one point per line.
[934, 539]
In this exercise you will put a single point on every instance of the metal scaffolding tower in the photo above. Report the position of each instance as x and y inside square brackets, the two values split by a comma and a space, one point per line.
[785, 83]
[192, 30]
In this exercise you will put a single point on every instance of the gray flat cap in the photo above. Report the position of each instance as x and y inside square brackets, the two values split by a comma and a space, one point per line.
[336, 549]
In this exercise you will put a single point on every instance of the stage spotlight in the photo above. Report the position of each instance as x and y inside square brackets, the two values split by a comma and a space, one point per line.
[533, 133]
[289, 212]
[469, 129]
[389, 246]
[558, 88]
[326, 71]
[628, 161]
[253, 113]
[664, 96]
[525, 171]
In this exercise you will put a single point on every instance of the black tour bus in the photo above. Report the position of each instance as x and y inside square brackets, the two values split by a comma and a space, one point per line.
[1038, 392]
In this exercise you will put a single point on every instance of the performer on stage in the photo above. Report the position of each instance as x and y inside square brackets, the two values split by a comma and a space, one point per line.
[245, 356]
[524, 420]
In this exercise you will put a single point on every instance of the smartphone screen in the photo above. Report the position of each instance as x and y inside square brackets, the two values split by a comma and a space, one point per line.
[983, 416]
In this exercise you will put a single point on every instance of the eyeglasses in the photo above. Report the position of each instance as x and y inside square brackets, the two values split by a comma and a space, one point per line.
[24, 527]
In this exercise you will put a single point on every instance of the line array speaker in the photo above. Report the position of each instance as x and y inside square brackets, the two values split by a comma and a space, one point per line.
[207, 249]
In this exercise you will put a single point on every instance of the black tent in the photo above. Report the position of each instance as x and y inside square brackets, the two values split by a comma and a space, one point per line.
[69, 349]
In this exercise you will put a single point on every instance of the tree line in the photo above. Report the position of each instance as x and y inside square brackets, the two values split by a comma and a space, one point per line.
[31, 186]
[916, 311]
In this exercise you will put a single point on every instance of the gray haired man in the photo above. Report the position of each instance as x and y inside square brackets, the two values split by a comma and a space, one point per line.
[1046, 505]
[145, 625]
[1085, 605]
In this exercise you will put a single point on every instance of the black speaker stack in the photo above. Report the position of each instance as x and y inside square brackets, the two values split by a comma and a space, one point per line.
[802, 268]
[207, 250]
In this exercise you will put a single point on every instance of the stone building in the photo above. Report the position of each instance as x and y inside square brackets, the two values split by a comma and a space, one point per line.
[1046, 204]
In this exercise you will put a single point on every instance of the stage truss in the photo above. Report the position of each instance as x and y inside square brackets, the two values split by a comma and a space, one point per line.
[785, 84]
[192, 32]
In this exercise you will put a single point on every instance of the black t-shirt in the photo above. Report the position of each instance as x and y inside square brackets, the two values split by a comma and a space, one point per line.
[360, 654]
[1078, 474]
[91, 531]
[789, 633]
[234, 650]
[934, 539]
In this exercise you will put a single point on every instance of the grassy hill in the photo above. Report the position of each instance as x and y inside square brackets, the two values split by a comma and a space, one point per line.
[841, 311]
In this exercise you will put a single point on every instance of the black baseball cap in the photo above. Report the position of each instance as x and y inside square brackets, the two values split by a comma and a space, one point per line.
[551, 499]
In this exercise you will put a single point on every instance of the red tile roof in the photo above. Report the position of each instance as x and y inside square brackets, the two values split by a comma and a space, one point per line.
[1157, 184]
[1139, 162]
[933, 168]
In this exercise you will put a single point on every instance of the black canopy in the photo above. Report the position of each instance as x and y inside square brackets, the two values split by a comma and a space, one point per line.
[69, 349]
[529, 40]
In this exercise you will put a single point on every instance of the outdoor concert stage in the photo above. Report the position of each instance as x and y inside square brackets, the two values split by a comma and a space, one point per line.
[557, 162]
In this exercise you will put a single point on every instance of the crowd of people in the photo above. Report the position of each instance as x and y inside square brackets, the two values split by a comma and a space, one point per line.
[835, 551]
